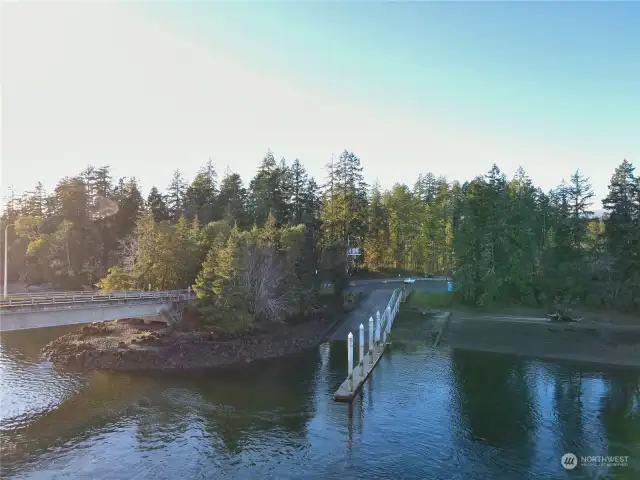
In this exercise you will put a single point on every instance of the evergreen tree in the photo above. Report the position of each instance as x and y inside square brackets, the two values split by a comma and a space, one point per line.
[175, 195]
[505, 241]
[200, 195]
[299, 192]
[232, 200]
[157, 205]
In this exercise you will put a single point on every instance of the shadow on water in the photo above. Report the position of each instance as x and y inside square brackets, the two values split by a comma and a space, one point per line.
[424, 413]
[536, 411]
[237, 404]
[620, 417]
[495, 402]
[231, 408]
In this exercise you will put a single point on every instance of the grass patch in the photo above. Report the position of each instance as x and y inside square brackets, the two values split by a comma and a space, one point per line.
[425, 300]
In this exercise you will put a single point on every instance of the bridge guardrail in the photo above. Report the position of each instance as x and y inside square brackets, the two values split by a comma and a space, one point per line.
[68, 293]
[60, 298]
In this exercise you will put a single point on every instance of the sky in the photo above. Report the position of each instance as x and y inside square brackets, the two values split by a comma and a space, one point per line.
[449, 87]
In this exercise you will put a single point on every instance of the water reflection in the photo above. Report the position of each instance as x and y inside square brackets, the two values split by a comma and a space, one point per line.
[620, 417]
[424, 413]
[496, 404]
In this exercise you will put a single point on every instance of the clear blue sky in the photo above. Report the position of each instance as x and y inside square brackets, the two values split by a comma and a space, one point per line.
[410, 87]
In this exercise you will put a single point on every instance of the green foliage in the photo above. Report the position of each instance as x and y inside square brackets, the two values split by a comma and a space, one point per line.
[425, 300]
[117, 279]
[504, 240]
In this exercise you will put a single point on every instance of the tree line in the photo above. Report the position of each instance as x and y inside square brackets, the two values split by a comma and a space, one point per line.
[262, 249]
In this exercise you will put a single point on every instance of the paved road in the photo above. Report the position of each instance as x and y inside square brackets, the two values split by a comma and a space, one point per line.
[379, 293]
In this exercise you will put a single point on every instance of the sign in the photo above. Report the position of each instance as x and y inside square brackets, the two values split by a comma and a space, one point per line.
[353, 251]
[570, 461]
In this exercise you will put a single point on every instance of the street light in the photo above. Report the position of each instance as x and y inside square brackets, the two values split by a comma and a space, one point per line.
[6, 261]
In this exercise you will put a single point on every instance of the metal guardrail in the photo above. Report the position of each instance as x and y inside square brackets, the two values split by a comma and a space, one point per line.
[379, 329]
[390, 312]
[66, 298]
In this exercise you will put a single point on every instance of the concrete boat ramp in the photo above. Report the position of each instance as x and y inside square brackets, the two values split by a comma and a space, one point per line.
[376, 315]
[369, 353]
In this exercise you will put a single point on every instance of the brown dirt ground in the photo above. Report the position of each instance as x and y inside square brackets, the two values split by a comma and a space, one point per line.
[131, 345]
[599, 338]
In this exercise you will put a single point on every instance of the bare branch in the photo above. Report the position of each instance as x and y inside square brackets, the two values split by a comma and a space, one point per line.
[263, 280]
[128, 250]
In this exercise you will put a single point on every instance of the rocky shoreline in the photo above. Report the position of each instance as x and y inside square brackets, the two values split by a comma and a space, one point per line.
[132, 345]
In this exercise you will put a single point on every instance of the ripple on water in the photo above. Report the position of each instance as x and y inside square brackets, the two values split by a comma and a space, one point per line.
[424, 413]
[31, 388]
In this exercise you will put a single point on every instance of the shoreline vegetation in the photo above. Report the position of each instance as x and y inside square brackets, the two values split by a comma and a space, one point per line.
[259, 254]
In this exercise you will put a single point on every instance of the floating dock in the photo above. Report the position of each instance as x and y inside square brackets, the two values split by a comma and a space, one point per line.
[378, 332]
[352, 385]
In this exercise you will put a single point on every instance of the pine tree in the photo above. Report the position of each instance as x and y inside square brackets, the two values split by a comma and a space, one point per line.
[377, 236]
[200, 195]
[232, 199]
[157, 205]
[622, 225]
[270, 191]
[175, 195]
[299, 192]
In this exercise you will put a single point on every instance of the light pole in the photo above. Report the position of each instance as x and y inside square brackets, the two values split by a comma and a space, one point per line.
[6, 257]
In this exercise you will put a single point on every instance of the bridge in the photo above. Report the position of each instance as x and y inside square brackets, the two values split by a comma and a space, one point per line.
[24, 311]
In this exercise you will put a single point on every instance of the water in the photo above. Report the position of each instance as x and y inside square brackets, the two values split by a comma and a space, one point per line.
[424, 414]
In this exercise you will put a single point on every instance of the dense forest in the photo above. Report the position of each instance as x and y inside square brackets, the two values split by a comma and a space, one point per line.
[262, 249]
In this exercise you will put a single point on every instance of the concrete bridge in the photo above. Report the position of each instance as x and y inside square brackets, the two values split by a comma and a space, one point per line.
[38, 310]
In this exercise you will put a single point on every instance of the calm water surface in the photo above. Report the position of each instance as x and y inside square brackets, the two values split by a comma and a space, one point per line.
[425, 414]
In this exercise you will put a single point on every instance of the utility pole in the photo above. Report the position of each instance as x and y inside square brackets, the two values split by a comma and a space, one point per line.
[6, 256]
[333, 203]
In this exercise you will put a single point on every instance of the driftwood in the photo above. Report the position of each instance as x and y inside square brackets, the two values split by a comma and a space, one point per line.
[563, 317]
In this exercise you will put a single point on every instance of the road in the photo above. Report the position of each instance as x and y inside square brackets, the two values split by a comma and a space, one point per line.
[379, 292]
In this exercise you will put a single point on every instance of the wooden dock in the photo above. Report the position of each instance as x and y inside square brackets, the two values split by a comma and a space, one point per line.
[352, 385]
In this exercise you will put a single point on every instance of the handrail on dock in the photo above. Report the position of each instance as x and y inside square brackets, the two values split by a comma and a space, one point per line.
[377, 343]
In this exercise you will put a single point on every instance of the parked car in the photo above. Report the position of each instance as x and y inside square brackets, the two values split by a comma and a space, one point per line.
[409, 280]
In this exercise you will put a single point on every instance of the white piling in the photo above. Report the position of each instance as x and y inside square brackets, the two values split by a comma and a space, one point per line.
[378, 331]
[371, 336]
[350, 359]
[361, 349]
